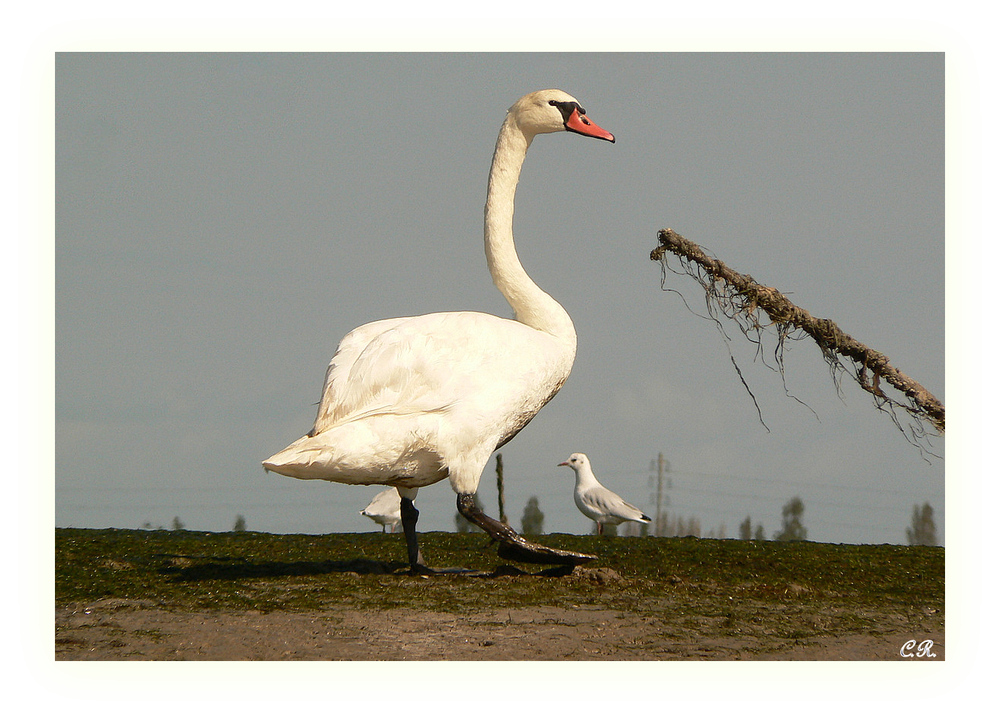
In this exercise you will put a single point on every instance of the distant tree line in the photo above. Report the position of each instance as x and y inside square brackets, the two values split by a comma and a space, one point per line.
[177, 525]
[921, 532]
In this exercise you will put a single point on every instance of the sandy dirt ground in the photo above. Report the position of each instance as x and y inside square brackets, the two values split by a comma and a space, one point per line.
[125, 630]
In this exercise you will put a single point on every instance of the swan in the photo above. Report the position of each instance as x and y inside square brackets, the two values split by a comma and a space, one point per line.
[597, 501]
[410, 401]
[384, 509]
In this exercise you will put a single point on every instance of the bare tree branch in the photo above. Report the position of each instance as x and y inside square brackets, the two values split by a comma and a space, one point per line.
[741, 299]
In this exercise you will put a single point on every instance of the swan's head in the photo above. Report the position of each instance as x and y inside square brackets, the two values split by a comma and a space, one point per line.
[554, 111]
[576, 461]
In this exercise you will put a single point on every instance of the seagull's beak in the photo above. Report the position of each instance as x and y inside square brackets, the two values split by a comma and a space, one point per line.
[563, 464]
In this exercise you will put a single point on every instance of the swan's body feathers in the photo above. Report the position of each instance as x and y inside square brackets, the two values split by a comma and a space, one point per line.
[465, 382]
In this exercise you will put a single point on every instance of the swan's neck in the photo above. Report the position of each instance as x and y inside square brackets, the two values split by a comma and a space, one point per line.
[531, 305]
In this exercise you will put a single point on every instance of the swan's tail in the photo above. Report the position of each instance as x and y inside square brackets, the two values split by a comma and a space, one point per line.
[355, 456]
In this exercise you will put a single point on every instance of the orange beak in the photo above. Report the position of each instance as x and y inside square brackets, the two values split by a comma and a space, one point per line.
[582, 124]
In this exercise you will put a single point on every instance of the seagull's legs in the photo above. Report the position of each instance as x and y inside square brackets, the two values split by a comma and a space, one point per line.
[512, 545]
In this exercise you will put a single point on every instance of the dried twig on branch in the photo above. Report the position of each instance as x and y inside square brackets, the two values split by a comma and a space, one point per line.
[742, 299]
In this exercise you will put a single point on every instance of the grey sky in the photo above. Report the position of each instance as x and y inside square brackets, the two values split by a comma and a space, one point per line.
[222, 220]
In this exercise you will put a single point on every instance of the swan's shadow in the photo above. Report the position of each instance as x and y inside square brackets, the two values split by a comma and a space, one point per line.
[198, 569]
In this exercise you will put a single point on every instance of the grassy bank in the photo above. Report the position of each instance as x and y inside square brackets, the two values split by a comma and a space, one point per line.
[735, 581]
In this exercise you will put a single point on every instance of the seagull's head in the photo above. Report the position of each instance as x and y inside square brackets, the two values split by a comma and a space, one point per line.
[576, 461]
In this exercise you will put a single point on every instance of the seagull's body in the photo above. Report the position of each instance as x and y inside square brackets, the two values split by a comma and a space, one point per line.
[384, 509]
[595, 500]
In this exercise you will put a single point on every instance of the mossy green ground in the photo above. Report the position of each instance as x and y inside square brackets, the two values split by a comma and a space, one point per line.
[762, 585]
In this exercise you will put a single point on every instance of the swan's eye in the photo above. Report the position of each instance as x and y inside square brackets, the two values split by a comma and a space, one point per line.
[566, 108]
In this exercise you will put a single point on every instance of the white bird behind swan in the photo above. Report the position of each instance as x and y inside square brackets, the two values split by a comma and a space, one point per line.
[597, 501]
[412, 400]
[384, 509]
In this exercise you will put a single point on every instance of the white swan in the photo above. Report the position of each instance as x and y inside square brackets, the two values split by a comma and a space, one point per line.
[412, 400]
[597, 501]
[384, 509]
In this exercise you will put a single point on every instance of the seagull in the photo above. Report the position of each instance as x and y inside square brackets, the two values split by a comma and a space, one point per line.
[384, 509]
[597, 501]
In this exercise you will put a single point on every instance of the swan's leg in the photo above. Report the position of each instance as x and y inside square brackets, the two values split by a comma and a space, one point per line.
[409, 515]
[512, 545]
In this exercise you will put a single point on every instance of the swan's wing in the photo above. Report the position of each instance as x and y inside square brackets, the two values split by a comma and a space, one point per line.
[415, 365]
[338, 371]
